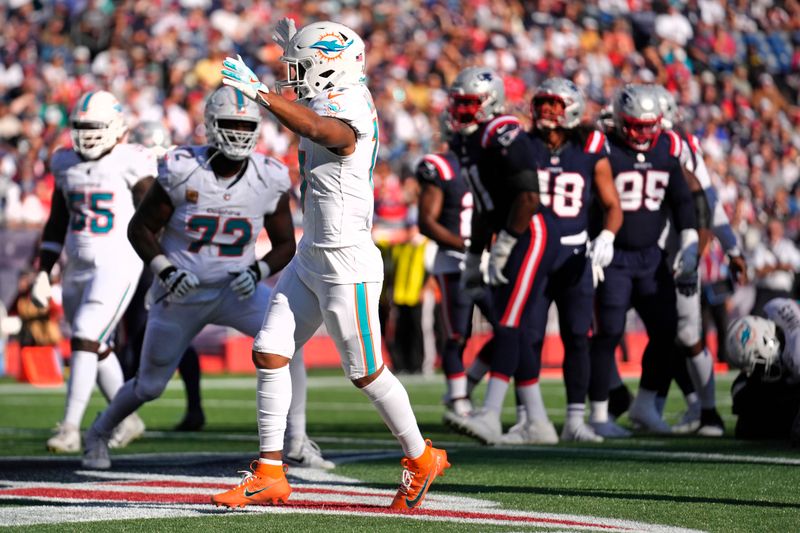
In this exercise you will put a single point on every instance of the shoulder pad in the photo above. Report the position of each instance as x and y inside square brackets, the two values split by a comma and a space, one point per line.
[348, 104]
[500, 131]
[675, 143]
[595, 143]
[435, 167]
[694, 144]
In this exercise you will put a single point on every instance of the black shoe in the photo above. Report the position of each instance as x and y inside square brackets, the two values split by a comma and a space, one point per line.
[711, 424]
[192, 421]
[619, 400]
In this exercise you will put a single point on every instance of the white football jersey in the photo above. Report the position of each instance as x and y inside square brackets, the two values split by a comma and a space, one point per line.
[216, 222]
[337, 191]
[786, 314]
[100, 201]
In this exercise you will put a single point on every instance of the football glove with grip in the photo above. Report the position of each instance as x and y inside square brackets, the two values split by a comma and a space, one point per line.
[687, 283]
[284, 32]
[471, 280]
[41, 290]
[245, 282]
[177, 281]
[239, 76]
[498, 258]
[686, 260]
[601, 249]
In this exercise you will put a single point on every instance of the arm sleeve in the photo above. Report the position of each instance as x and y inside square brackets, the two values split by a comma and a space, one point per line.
[680, 199]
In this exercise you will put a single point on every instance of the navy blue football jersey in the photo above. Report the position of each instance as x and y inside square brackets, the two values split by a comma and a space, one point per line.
[566, 178]
[443, 171]
[650, 184]
[491, 159]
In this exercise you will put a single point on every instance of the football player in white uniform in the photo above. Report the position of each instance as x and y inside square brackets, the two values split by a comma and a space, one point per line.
[98, 183]
[211, 203]
[766, 395]
[336, 276]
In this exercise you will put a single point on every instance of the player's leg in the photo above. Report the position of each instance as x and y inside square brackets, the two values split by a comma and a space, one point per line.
[456, 315]
[482, 363]
[654, 300]
[612, 299]
[189, 370]
[292, 317]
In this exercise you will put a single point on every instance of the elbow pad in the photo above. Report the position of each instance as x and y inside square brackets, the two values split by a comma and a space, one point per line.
[701, 209]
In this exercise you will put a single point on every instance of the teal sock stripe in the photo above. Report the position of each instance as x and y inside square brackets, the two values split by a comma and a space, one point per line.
[363, 326]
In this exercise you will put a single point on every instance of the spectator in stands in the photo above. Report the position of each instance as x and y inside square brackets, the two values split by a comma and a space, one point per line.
[775, 262]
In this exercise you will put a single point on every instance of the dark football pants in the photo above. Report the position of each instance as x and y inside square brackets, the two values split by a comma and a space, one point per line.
[640, 279]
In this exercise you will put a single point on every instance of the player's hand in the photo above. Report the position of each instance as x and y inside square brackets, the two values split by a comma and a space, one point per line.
[41, 290]
[471, 280]
[177, 281]
[738, 267]
[239, 76]
[598, 275]
[686, 260]
[284, 32]
[498, 258]
[246, 281]
[601, 249]
[686, 284]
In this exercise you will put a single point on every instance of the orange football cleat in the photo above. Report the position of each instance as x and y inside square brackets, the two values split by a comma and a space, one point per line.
[418, 474]
[263, 485]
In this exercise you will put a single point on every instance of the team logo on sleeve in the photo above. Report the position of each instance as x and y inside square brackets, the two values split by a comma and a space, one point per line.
[331, 46]
[192, 196]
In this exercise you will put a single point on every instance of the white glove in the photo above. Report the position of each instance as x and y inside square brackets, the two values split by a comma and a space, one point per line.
[41, 290]
[245, 282]
[471, 280]
[177, 281]
[498, 258]
[598, 275]
[284, 32]
[686, 260]
[240, 77]
[601, 249]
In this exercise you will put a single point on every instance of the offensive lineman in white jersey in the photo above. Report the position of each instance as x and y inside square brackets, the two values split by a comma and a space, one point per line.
[98, 183]
[211, 202]
[337, 273]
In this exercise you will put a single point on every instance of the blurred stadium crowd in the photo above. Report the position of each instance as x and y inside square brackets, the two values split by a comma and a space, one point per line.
[734, 67]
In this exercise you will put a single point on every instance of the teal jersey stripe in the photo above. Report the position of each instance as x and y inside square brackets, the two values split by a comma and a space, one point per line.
[85, 105]
[114, 316]
[374, 150]
[364, 327]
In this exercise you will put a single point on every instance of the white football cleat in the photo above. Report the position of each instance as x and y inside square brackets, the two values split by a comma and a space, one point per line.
[610, 430]
[95, 451]
[580, 432]
[127, 431]
[483, 425]
[306, 454]
[690, 420]
[647, 417]
[67, 439]
[534, 432]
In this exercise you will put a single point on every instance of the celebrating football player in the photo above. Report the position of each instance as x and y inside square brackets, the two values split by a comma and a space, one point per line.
[98, 184]
[337, 274]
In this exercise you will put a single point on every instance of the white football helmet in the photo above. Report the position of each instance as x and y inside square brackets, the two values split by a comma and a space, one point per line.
[669, 107]
[568, 94]
[153, 135]
[477, 95]
[97, 124]
[753, 341]
[233, 123]
[323, 55]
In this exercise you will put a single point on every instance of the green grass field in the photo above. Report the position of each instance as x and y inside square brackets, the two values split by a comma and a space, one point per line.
[707, 484]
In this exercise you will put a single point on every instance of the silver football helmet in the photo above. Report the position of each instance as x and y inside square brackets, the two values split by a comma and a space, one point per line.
[605, 120]
[637, 116]
[323, 55]
[97, 123]
[476, 96]
[233, 123]
[669, 107]
[564, 91]
[753, 341]
[153, 135]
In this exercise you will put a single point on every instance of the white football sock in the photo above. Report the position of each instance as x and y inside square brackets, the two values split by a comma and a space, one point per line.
[531, 397]
[273, 398]
[273, 462]
[575, 412]
[701, 370]
[109, 376]
[598, 412]
[296, 420]
[82, 376]
[390, 398]
[124, 403]
[457, 386]
[495, 394]
[522, 414]
[646, 397]
[475, 374]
